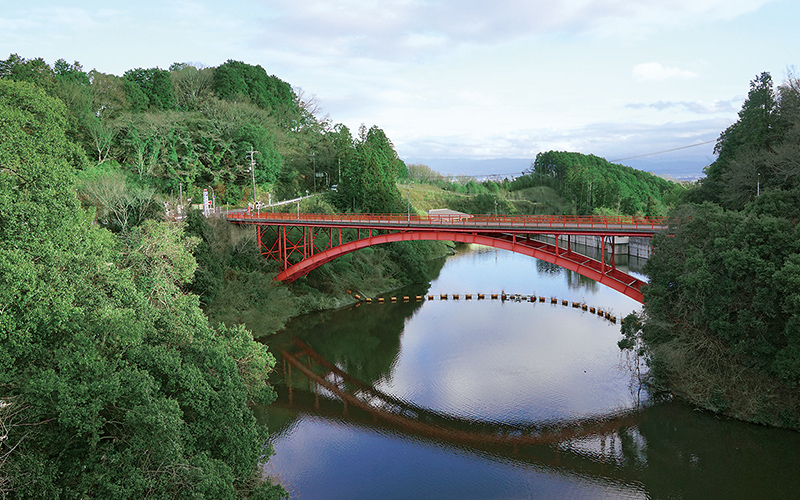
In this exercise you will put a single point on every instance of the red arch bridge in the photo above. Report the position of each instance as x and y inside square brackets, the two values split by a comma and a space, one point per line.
[302, 242]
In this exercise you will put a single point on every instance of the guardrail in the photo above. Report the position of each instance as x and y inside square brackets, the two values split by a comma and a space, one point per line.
[519, 221]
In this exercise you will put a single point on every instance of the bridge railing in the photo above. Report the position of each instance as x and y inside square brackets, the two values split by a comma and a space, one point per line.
[461, 220]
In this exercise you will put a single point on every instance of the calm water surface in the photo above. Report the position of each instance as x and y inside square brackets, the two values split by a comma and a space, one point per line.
[503, 399]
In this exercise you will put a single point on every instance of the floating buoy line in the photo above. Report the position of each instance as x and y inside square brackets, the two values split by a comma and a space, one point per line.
[504, 297]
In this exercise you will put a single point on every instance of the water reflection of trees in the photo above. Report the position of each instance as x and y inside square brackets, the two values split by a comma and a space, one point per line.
[547, 268]
[574, 280]
[364, 340]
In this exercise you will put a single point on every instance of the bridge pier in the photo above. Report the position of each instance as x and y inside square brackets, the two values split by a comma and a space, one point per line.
[626, 250]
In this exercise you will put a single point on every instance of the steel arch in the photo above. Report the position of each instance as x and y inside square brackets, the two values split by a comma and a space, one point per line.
[585, 266]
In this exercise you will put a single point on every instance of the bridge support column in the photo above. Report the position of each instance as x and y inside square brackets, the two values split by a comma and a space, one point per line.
[613, 251]
[603, 254]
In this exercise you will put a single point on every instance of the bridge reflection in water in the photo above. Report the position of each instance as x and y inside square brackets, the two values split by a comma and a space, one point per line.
[598, 446]
[665, 450]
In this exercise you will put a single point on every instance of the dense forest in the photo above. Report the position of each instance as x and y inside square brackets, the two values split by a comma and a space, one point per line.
[721, 322]
[598, 186]
[193, 127]
[106, 363]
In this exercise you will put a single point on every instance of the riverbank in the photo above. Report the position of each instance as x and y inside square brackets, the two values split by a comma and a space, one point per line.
[702, 371]
[237, 283]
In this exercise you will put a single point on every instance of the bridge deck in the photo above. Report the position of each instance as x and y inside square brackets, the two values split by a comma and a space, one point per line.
[543, 224]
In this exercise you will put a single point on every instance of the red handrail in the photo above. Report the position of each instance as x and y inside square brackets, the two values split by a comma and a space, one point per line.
[523, 221]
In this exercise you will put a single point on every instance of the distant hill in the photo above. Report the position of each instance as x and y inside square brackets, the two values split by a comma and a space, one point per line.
[503, 167]
[678, 166]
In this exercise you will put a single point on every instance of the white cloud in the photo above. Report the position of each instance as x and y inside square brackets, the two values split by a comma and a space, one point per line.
[698, 107]
[655, 71]
[399, 29]
[452, 78]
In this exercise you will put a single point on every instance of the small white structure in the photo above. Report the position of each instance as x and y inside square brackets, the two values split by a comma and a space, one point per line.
[447, 214]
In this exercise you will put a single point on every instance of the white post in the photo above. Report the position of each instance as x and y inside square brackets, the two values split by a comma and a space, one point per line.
[252, 155]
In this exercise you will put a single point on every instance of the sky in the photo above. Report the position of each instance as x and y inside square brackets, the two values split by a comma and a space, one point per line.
[459, 84]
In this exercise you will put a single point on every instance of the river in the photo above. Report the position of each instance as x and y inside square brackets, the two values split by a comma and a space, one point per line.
[491, 399]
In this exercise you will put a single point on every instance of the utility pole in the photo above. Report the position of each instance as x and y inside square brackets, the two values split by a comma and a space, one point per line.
[314, 166]
[252, 155]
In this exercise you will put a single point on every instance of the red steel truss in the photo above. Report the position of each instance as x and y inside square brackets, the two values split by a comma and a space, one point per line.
[303, 242]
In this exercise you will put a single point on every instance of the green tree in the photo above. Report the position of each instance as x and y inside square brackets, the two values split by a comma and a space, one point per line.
[235, 80]
[120, 205]
[35, 71]
[155, 84]
[369, 180]
[731, 178]
[193, 85]
[112, 383]
[595, 184]
[70, 73]
[112, 96]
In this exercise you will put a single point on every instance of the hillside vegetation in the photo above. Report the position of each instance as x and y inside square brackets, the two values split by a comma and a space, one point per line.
[112, 382]
[558, 183]
[721, 322]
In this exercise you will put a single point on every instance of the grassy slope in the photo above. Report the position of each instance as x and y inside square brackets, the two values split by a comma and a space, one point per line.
[540, 199]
